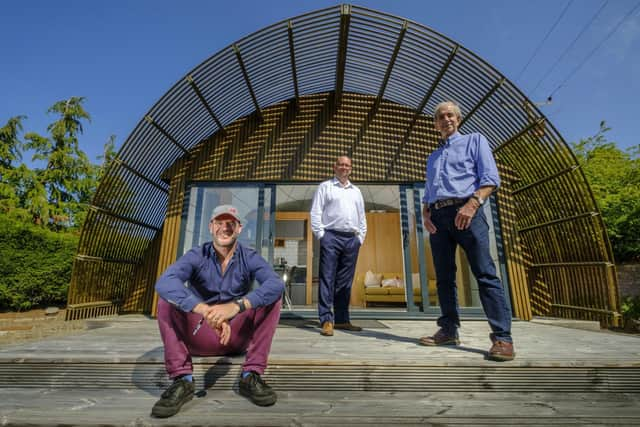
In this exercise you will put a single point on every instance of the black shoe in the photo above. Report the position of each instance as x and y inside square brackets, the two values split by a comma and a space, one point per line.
[178, 393]
[256, 390]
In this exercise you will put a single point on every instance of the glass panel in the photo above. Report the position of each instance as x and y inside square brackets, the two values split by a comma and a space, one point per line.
[468, 295]
[382, 252]
[422, 274]
[202, 201]
[293, 244]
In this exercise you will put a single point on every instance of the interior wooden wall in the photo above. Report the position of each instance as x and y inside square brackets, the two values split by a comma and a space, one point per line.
[381, 251]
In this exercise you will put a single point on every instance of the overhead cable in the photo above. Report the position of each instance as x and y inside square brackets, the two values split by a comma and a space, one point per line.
[613, 30]
[584, 28]
[553, 27]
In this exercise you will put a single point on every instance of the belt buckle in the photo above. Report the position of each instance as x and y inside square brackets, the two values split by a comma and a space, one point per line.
[439, 204]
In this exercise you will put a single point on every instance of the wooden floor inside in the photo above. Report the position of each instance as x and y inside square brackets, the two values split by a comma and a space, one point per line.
[112, 372]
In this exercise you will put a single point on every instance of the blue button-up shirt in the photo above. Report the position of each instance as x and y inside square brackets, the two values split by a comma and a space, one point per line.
[461, 165]
[197, 277]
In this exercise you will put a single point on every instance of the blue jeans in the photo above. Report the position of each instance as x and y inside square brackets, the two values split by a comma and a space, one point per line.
[338, 256]
[475, 243]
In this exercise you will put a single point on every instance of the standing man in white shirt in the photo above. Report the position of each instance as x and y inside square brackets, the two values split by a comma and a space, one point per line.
[339, 222]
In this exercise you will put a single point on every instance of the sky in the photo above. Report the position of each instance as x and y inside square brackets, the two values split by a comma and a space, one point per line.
[122, 56]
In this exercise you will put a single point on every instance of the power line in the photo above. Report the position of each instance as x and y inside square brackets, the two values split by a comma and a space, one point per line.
[584, 29]
[613, 30]
[553, 27]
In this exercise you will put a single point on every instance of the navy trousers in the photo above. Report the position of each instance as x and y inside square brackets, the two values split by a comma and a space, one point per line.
[338, 256]
[475, 243]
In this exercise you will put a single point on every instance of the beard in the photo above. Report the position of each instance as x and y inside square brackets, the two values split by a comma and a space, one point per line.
[230, 241]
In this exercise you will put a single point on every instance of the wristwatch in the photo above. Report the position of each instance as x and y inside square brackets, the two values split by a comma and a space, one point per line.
[478, 198]
[240, 303]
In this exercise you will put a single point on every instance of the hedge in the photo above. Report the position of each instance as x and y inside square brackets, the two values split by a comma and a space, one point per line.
[35, 265]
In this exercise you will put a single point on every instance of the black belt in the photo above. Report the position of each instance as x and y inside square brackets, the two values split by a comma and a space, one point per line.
[344, 233]
[439, 204]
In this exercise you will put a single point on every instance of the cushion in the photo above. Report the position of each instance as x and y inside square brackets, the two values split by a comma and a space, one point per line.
[392, 282]
[377, 291]
[372, 280]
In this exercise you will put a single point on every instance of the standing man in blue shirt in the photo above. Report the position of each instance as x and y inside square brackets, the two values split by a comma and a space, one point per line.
[207, 308]
[338, 221]
[461, 175]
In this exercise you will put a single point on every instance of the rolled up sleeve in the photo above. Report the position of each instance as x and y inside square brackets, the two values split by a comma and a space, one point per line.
[486, 164]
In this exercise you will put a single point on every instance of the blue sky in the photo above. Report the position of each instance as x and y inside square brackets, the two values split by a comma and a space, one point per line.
[124, 55]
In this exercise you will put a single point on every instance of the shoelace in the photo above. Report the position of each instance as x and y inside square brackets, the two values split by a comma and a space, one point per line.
[171, 389]
[256, 380]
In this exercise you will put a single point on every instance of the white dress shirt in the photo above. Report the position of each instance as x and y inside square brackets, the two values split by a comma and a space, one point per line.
[338, 207]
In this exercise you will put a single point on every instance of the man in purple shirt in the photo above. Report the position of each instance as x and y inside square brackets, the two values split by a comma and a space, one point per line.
[207, 308]
[461, 175]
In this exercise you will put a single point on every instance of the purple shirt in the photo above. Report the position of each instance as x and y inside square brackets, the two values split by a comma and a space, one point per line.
[197, 277]
[461, 165]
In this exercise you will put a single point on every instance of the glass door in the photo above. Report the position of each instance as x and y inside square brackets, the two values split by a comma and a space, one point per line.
[255, 203]
[418, 263]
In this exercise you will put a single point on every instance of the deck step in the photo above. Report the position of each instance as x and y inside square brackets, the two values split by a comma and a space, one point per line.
[331, 377]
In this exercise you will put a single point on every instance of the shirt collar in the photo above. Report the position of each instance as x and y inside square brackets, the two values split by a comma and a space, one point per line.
[450, 139]
[336, 181]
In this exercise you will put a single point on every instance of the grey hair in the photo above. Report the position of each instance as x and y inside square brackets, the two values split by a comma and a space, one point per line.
[456, 108]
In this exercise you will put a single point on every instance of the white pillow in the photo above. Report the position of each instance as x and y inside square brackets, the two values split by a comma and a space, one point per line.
[394, 282]
[372, 280]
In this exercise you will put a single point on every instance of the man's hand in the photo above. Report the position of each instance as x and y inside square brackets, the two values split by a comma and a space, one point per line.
[218, 316]
[426, 220]
[219, 313]
[224, 332]
[465, 214]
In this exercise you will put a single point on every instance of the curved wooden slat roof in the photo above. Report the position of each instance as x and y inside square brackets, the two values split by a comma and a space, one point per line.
[385, 74]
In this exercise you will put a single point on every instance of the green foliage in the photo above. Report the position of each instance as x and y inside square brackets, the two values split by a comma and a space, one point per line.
[10, 145]
[57, 196]
[614, 177]
[35, 263]
[630, 308]
[41, 209]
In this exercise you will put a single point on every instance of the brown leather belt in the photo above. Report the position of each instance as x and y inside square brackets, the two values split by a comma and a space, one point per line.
[439, 204]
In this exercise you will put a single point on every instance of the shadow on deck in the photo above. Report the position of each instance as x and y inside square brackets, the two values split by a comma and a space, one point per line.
[112, 373]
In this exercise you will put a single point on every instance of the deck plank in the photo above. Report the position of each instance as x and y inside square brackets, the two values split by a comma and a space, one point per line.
[130, 407]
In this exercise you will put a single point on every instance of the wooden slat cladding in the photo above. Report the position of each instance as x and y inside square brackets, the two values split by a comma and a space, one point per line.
[282, 103]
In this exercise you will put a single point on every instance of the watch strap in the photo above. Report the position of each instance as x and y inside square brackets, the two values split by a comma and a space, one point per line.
[479, 199]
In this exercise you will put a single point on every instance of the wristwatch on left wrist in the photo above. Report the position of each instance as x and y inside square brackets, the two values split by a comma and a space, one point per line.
[479, 199]
[240, 303]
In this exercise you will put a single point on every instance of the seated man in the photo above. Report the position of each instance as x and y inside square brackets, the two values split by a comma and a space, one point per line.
[207, 308]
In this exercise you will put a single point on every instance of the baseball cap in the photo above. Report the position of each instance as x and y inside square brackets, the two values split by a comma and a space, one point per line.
[227, 210]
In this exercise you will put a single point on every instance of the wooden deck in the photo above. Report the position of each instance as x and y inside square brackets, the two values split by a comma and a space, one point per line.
[112, 373]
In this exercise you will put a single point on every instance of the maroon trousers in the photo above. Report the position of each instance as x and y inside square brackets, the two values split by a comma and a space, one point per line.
[251, 331]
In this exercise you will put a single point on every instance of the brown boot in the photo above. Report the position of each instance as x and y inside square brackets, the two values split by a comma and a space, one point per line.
[347, 327]
[439, 338]
[327, 329]
[501, 351]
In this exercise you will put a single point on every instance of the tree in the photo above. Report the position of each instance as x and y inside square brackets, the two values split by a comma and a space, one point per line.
[107, 157]
[69, 178]
[10, 145]
[10, 152]
[614, 177]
